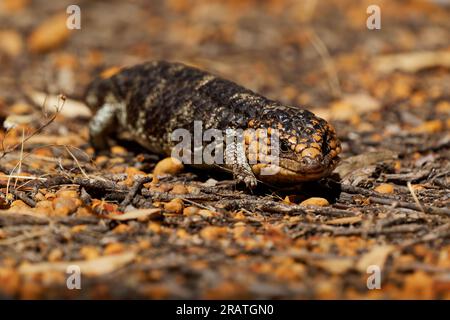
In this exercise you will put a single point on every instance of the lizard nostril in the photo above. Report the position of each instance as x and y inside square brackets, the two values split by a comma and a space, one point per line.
[312, 163]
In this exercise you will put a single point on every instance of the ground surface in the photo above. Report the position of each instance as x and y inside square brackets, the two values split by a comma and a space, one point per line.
[386, 91]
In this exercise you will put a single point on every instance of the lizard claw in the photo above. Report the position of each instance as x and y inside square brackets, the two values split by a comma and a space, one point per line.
[249, 180]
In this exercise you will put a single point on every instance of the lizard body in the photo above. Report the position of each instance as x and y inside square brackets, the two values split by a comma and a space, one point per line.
[151, 100]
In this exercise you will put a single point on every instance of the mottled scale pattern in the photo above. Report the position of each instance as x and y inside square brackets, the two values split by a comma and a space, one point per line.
[155, 98]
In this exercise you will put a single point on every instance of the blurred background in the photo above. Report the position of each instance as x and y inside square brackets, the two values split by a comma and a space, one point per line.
[302, 52]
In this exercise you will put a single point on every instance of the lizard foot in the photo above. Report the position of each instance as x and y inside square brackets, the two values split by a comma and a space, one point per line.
[248, 178]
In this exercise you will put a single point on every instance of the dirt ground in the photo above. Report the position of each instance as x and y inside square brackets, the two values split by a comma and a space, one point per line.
[196, 234]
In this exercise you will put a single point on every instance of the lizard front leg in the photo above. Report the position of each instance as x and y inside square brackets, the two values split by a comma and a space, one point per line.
[236, 159]
[102, 124]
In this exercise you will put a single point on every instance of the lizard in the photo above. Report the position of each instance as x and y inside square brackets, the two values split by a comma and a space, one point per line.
[151, 100]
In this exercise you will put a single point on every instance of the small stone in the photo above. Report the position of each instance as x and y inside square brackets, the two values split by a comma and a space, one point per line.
[55, 255]
[132, 174]
[83, 212]
[50, 196]
[206, 213]
[101, 160]
[78, 228]
[39, 197]
[44, 206]
[315, 201]
[190, 211]
[179, 189]
[210, 183]
[193, 190]
[67, 194]
[154, 227]
[121, 228]
[19, 204]
[89, 252]
[385, 188]
[417, 187]
[443, 107]
[52, 33]
[174, 206]
[114, 248]
[10, 280]
[11, 43]
[118, 150]
[64, 206]
[170, 166]
[213, 232]
[21, 108]
[432, 126]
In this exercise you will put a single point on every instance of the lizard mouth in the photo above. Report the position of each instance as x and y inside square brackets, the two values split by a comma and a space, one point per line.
[292, 171]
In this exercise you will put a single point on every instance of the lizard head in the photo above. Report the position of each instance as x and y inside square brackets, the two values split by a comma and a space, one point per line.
[305, 146]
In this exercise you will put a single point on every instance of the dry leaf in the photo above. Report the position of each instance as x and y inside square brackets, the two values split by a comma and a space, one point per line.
[353, 104]
[50, 34]
[71, 108]
[335, 265]
[152, 213]
[377, 256]
[94, 267]
[11, 43]
[412, 61]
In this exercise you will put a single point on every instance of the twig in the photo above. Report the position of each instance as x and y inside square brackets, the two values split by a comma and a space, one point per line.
[396, 203]
[414, 196]
[341, 231]
[440, 232]
[365, 192]
[24, 177]
[134, 190]
[197, 204]
[23, 237]
[22, 196]
[19, 169]
[37, 131]
[76, 161]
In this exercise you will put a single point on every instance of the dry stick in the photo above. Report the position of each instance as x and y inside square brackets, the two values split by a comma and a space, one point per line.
[340, 231]
[76, 161]
[134, 190]
[120, 192]
[17, 218]
[10, 177]
[396, 203]
[198, 204]
[414, 196]
[276, 207]
[365, 192]
[19, 169]
[31, 178]
[23, 237]
[22, 196]
[393, 201]
[441, 232]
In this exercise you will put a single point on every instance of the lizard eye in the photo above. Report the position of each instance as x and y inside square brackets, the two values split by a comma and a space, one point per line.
[284, 146]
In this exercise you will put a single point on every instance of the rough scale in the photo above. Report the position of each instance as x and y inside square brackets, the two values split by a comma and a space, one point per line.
[151, 100]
